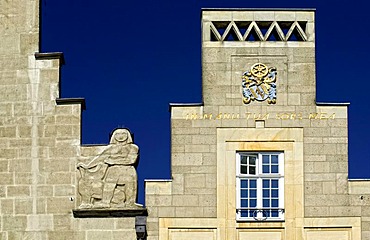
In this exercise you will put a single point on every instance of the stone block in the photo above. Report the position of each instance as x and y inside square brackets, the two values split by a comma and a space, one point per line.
[23, 178]
[181, 139]
[64, 190]
[342, 183]
[66, 235]
[207, 200]
[320, 177]
[96, 224]
[189, 212]
[40, 222]
[59, 178]
[186, 159]
[166, 212]
[7, 206]
[345, 211]
[41, 205]
[316, 211]
[177, 183]
[195, 180]
[339, 132]
[321, 167]
[185, 200]
[197, 148]
[159, 200]
[14, 223]
[313, 188]
[58, 205]
[18, 191]
[124, 234]
[23, 206]
[6, 178]
[315, 158]
[329, 188]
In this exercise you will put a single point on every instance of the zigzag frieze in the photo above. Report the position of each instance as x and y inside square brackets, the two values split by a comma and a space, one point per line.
[258, 31]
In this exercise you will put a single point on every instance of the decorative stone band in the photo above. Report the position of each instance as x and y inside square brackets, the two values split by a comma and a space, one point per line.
[263, 214]
[258, 31]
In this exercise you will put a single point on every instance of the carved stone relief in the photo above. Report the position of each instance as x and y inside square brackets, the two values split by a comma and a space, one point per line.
[109, 180]
[259, 83]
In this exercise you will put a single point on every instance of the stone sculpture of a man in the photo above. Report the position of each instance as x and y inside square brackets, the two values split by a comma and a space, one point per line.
[109, 180]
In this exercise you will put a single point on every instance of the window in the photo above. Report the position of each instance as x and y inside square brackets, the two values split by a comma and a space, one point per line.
[260, 186]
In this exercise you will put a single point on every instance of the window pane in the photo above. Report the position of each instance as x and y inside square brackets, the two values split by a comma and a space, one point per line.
[274, 169]
[244, 203]
[274, 159]
[252, 160]
[253, 193]
[244, 213]
[266, 183]
[275, 193]
[243, 169]
[253, 183]
[244, 159]
[244, 193]
[274, 203]
[275, 183]
[252, 170]
[266, 193]
[266, 213]
[244, 183]
[265, 159]
[274, 213]
[265, 169]
[266, 203]
[252, 203]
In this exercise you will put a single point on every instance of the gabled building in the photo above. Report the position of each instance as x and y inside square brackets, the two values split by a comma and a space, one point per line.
[259, 158]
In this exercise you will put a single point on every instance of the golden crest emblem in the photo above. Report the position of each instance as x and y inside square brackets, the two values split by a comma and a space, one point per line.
[259, 83]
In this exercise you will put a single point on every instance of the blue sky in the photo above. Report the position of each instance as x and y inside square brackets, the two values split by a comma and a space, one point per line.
[130, 59]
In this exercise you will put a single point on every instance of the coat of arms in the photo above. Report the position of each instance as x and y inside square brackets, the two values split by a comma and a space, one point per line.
[259, 84]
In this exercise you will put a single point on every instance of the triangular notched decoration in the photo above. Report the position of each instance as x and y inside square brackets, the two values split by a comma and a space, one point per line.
[296, 33]
[253, 33]
[242, 26]
[232, 33]
[274, 33]
[285, 27]
[215, 35]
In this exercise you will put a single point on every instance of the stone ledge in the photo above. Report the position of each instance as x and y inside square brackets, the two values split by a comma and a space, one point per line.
[67, 101]
[50, 55]
[109, 213]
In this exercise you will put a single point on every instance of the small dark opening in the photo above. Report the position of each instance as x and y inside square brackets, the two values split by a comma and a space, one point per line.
[285, 26]
[295, 36]
[264, 27]
[213, 37]
[221, 26]
[243, 26]
[253, 36]
[274, 36]
[303, 26]
[231, 35]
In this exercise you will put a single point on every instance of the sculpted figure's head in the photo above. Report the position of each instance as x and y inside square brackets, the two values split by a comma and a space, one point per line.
[121, 136]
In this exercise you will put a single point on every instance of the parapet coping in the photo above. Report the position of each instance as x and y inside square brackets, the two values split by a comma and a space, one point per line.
[109, 213]
[67, 101]
[260, 9]
[332, 104]
[50, 55]
[359, 179]
[171, 105]
[157, 180]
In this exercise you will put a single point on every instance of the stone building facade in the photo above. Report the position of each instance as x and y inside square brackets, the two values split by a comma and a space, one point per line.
[259, 125]
[258, 159]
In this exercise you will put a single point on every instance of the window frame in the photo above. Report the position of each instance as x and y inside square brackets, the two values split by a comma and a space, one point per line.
[259, 212]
